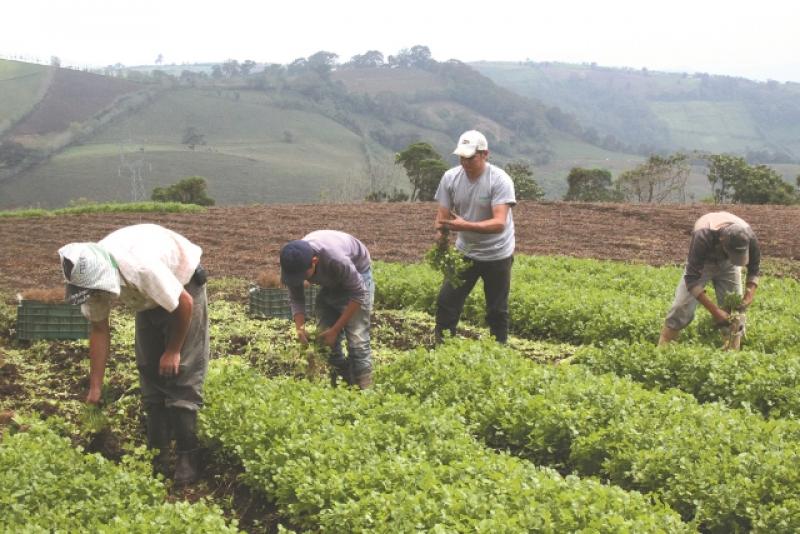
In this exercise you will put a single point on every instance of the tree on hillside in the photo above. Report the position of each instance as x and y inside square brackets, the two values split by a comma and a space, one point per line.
[418, 56]
[724, 171]
[733, 180]
[322, 62]
[525, 187]
[192, 137]
[231, 68]
[659, 179]
[370, 59]
[590, 185]
[424, 167]
[763, 185]
[247, 66]
[190, 190]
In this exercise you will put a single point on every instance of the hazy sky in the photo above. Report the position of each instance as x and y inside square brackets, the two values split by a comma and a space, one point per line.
[756, 40]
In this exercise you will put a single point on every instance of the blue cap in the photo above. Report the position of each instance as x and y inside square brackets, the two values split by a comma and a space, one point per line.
[295, 261]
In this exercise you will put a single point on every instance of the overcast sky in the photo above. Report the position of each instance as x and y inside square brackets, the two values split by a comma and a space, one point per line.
[756, 40]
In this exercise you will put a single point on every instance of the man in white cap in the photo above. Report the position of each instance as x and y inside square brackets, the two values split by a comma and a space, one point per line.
[721, 245]
[157, 273]
[475, 200]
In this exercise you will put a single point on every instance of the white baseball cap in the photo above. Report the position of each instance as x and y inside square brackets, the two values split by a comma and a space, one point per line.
[87, 267]
[470, 142]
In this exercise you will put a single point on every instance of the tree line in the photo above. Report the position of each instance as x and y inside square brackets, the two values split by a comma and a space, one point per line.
[659, 179]
[663, 179]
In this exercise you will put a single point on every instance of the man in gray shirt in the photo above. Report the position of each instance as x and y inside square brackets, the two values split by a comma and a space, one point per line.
[721, 245]
[475, 200]
[341, 264]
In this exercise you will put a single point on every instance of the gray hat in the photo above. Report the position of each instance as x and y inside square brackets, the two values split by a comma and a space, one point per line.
[736, 243]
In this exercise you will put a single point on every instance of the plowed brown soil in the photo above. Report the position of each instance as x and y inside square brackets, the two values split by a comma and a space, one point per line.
[242, 241]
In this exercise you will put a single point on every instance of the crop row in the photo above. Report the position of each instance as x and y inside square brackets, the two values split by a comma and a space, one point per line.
[50, 486]
[590, 301]
[765, 383]
[342, 461]
[726, 470]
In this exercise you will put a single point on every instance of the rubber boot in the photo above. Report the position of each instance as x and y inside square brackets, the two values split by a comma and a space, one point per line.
[158, 436]
[667, 335]
[364, 380]
[184, 424]
[345, 373]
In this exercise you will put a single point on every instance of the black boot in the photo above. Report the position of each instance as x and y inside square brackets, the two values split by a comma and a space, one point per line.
[344, 372]
[158, 436]
[184, 424]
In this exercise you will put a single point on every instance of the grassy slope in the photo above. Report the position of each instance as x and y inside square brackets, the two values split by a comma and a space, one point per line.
[246, 158]
[21, 87]
[716, 126]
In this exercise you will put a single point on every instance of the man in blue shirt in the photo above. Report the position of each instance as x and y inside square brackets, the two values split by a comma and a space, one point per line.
[341, 264]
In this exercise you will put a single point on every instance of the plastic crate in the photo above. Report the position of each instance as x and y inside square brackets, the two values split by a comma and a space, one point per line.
[273, 302]
[46, 320]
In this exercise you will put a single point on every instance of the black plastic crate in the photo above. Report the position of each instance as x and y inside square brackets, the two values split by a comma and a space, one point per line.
[273, 302]
[47, 320]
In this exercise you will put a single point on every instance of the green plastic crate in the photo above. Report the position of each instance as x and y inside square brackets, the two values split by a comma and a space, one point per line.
[273, 302]
[45, 320]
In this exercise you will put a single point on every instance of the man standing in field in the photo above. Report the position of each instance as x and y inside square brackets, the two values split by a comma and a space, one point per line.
[341, 264]
[475, 200]
[721, 244]
[157, 273]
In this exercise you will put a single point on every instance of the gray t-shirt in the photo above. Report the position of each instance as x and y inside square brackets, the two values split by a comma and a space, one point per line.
[473, 201]
[342, 261]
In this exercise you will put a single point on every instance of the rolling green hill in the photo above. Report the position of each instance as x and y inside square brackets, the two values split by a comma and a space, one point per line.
[22, 86]
[310, 132]
[254, 152]
[666, 111]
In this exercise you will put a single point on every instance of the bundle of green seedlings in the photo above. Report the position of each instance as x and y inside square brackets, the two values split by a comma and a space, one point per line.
[732, 303]
[446, 258]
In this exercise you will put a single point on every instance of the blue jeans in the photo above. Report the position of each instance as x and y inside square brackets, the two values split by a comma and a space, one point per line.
[331, 302]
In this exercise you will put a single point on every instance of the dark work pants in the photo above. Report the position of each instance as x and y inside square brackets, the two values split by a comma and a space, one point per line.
[496, 276]
[153, 330]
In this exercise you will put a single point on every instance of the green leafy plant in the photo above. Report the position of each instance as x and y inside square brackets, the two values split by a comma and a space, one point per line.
[446, 259]
[93, 419]
[732, 302]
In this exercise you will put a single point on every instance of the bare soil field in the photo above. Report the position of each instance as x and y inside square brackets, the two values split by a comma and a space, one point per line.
[243, 241]
[73, 96]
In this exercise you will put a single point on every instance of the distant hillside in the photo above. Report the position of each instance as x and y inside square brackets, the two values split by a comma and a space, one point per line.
[22, 86]
[71, 96]
[666, 111]
[292, 134]
[318, 131]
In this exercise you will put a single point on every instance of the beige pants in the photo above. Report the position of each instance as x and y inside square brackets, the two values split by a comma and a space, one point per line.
[726, 277]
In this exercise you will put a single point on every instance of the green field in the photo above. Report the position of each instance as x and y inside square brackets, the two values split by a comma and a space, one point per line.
[711, 126]
[254, 152]
[21, 86]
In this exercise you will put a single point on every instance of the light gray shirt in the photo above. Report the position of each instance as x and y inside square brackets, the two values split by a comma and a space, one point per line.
[473, 201]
